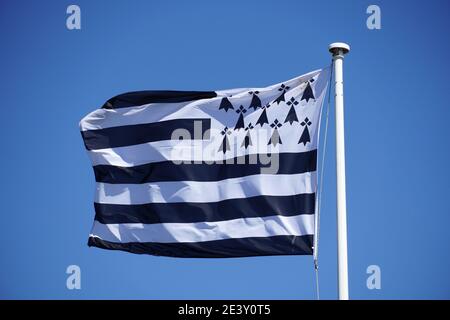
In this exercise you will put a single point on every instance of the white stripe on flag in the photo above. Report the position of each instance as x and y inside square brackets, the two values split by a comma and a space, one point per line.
[194, 150]
[205, 231]
[149, 113]
[206, 191]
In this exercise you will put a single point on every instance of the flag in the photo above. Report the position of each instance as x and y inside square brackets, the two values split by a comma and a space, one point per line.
[228, 173]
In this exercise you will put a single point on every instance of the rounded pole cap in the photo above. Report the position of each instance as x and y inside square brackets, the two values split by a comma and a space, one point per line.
[335, 47]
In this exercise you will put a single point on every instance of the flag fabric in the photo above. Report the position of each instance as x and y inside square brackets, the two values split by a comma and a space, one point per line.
[228, 173]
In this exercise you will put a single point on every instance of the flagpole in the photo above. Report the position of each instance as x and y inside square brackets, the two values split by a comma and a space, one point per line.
[338, 50]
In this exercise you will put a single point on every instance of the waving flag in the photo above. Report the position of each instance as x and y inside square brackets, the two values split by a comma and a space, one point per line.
[207, 174]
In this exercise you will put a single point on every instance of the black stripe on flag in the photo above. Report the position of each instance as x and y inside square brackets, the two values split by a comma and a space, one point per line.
[139, 98]
[190, 212]
[142, 133]
[227, 248]
[288, 163]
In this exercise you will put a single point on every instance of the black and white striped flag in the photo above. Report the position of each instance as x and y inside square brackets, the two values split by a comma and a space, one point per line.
[207, 174]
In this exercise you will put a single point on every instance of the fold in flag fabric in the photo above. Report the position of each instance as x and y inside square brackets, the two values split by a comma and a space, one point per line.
[228, 173]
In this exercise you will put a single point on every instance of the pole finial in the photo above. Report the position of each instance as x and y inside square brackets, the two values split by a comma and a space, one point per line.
[337, 48]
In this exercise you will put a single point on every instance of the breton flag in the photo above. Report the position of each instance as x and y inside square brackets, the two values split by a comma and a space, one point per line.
[228, 173]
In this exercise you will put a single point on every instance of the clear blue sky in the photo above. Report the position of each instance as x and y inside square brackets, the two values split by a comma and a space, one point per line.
[397, 139]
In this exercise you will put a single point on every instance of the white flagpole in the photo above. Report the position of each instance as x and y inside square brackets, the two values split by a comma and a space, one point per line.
[338, 50]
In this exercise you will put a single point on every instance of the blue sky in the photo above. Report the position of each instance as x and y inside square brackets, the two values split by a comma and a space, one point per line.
[396, 100]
